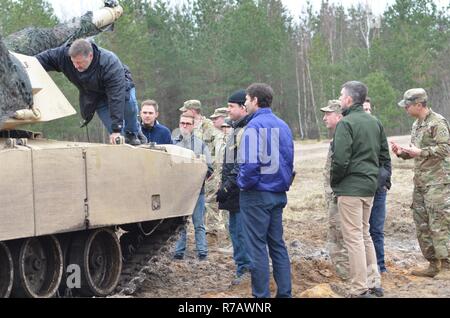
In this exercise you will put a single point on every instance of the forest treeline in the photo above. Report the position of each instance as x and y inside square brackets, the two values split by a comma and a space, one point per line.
[209, 48]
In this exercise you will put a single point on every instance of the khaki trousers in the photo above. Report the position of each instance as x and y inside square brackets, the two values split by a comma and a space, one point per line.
[355, 215]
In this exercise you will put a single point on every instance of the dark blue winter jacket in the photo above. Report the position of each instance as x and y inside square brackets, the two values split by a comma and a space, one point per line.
[158, 133]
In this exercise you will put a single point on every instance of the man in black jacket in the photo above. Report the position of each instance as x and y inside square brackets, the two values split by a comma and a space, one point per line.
[104, 83]
[228, 194]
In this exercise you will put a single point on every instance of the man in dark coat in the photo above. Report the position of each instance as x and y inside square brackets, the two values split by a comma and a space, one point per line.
[228, 194]
[104, 83]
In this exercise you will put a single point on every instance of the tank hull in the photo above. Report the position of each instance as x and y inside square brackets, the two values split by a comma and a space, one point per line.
[58, 187]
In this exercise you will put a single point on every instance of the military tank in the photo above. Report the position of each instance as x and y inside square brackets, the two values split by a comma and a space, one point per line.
[65, 204]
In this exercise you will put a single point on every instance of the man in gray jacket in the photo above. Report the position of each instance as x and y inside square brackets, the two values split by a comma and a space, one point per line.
[188, 140]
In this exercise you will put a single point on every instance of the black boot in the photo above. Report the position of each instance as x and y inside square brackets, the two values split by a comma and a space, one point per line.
[132, 139]
[142, 137]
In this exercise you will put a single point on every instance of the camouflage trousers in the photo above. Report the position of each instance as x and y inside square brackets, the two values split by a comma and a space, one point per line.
[431, 213]
[215, 219]
[335, 240]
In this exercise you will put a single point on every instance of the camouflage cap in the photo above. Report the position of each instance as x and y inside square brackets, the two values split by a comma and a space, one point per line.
[220, 112]
[191, 104]
[334, 106]
[414, 95]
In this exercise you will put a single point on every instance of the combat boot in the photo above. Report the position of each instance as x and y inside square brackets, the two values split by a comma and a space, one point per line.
[132, 139]
[433, 269]
[444, 274]
[142, 137]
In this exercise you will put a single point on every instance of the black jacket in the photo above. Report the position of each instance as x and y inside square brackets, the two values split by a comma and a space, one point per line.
[106, 80]
[230, 169]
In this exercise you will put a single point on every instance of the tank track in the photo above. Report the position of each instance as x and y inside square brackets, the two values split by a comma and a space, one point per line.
[141, 253]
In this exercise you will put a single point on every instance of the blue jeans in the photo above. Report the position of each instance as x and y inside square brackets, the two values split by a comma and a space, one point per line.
[130, 115]
[263, 229]
[240, 255]
[198, 218]
[377, 218]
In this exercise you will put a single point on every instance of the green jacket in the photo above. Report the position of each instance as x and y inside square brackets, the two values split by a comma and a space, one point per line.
[359, 148]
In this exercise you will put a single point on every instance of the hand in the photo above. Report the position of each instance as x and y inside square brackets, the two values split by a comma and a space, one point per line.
[222, 195]
[413, 151]
[396, 148]
[112, 138]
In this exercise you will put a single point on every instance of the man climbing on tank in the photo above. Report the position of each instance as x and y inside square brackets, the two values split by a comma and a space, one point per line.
[15, 87]
[104, 83]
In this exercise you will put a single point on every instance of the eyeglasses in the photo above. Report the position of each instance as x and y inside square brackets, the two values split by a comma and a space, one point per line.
[185, 124]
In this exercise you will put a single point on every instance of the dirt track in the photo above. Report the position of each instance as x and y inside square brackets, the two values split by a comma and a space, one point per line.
[305, 225]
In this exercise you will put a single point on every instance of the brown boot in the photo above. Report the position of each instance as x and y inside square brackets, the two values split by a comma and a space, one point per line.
[444, 274]
[432, 270]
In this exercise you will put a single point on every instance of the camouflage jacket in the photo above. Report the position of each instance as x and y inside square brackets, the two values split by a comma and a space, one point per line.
[432, 136]
[219, 149]
[207, 133]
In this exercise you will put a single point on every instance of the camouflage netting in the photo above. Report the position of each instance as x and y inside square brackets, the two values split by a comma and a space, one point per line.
[31, 41]
[15, 88]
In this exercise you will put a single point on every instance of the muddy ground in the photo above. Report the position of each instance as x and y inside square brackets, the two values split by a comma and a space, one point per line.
[305, 226]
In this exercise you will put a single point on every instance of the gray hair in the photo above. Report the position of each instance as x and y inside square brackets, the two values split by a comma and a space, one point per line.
[80, 47]
[356, 90]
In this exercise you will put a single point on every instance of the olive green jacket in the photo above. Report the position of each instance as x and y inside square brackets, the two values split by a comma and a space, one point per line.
[359, 148]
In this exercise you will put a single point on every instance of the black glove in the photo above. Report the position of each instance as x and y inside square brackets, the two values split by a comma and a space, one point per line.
[222, 195]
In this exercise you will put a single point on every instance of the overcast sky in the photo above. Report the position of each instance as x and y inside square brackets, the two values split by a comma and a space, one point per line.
[68, 8]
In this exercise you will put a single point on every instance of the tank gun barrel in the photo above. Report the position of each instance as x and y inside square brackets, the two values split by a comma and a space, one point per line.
[34, 40]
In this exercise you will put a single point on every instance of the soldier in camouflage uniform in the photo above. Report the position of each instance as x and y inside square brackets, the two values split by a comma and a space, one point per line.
[218, 118]
[338, 252]
[204, 130]
[430, 148]
[215, 218]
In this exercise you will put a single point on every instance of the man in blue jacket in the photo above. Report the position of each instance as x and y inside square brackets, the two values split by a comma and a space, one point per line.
[104, 83]
[266, 154]
[151, 128]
